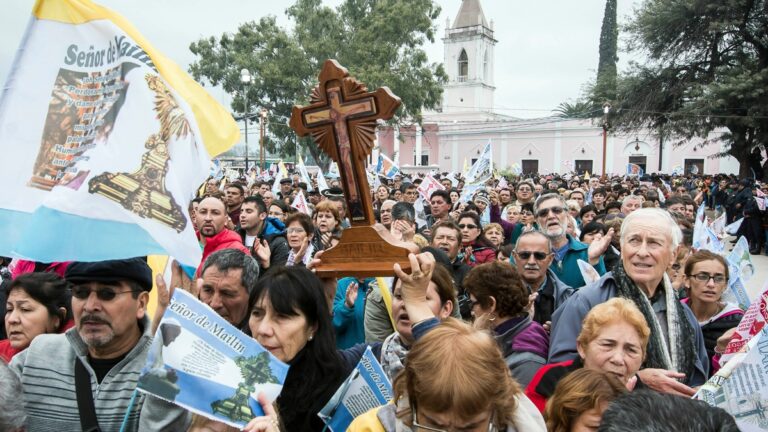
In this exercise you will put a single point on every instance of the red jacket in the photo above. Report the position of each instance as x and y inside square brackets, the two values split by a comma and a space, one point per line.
[226, 239]
[544, 382]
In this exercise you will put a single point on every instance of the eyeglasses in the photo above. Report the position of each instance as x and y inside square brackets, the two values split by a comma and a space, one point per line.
[545, 211]
[526, 213]
[705, 277]
[467, 226]
[526, 255]
[275, 214]
[103, 294]
[524, 189]
[675, 267]
[416, 427]
[295, 230]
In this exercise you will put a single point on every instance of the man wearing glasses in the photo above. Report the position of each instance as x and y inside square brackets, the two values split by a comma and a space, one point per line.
[524, 193]
[533, 258]
[551, 216]
[89, 373]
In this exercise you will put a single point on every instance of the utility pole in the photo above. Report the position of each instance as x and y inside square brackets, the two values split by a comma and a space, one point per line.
[262, 123]
[245, 78]
[606, 110]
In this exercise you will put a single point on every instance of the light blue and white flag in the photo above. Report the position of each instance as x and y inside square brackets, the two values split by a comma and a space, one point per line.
[482, 169]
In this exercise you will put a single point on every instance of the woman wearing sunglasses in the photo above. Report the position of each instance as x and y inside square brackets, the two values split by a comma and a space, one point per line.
[476, 248]
[706, 277]
[37, 303]
[463, 385]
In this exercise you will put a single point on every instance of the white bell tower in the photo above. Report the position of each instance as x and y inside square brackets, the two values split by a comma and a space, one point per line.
[469, 61]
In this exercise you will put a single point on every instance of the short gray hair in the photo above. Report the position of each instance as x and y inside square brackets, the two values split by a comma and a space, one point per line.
[234, 259]
[12, 416]
[633, 197]
[534, 232]
[548, 196]
[669, 226]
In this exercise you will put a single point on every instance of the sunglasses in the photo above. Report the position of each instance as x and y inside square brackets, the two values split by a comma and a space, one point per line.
[525, 255]
[103, 294]
[468, 226]
[544, 212]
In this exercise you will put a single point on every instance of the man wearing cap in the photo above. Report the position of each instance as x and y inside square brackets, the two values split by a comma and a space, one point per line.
[286, 185]
[86, 377]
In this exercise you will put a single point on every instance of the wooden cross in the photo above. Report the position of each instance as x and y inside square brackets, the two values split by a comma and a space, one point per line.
[342, 119]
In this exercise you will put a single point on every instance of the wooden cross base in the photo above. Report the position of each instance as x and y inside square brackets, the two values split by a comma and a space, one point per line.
[365, 251]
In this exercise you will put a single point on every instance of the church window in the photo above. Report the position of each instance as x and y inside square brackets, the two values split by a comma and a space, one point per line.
[463, 66]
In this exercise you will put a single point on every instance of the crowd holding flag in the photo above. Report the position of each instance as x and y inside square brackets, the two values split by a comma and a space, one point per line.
[428, 186]
[300, 204]
[304, 174]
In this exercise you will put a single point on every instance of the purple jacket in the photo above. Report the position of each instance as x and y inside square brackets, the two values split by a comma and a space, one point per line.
[525, 345]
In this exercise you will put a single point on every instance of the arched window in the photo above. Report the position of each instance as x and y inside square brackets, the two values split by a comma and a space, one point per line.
[463, 66]
[485, 66]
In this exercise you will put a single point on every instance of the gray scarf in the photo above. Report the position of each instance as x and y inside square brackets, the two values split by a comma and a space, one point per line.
[678, 353]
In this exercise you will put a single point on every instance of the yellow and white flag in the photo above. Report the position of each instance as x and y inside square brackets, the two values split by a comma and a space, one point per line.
[104, 141]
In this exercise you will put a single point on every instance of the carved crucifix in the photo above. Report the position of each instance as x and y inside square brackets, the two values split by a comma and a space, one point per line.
[342, 119]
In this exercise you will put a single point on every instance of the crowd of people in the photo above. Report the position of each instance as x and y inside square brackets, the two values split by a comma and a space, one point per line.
[494, 328]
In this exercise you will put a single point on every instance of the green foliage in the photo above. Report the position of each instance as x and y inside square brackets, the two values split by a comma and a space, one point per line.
[578, 110]
[707, 70]
[378, 41]
[605, 84]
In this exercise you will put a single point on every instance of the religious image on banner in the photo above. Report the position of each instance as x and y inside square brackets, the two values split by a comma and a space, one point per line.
[202, 363]
[101, 133]
[634, 170]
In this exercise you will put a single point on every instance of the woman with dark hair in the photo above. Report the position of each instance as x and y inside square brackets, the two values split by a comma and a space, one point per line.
[706, 278]
[476, 248]
[499, 302]
[291, 319]
[590, 230]
[299, 232]
[36, 303]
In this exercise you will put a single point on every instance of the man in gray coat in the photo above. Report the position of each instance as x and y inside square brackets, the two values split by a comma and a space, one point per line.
[108, 346]
[676, 357]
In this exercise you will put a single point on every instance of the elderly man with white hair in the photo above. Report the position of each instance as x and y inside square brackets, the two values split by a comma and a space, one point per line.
[676, 358]
[631, 203]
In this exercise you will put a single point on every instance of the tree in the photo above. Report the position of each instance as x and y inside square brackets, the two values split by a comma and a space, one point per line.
[577, 110]
[378, 41]
[605, 84]
[707, 70]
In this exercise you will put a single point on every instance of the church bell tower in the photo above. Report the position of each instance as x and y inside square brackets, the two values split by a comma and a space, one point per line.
[469, 61]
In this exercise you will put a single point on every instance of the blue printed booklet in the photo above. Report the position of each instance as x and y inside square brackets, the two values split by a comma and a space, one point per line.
[366, 388]
[200, 362]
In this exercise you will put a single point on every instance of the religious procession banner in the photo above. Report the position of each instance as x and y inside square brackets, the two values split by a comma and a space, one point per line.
[104, 141]
[482, 169]
[366, 388]
[741, 386]
[202, 363]
[386, 167]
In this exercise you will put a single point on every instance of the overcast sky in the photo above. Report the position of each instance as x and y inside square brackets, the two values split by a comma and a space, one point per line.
[546, 50]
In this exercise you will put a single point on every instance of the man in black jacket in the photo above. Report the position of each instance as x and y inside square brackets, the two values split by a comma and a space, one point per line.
[264, 235]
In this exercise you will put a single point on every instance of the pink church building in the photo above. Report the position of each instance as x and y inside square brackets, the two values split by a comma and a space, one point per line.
[467, 121]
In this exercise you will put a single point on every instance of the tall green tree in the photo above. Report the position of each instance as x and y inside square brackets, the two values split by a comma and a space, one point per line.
[379, 41]
[605, 84]
[707, 70]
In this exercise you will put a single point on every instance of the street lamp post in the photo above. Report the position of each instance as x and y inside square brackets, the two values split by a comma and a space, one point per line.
[606, 110]
[262, 123]
[245, 78]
